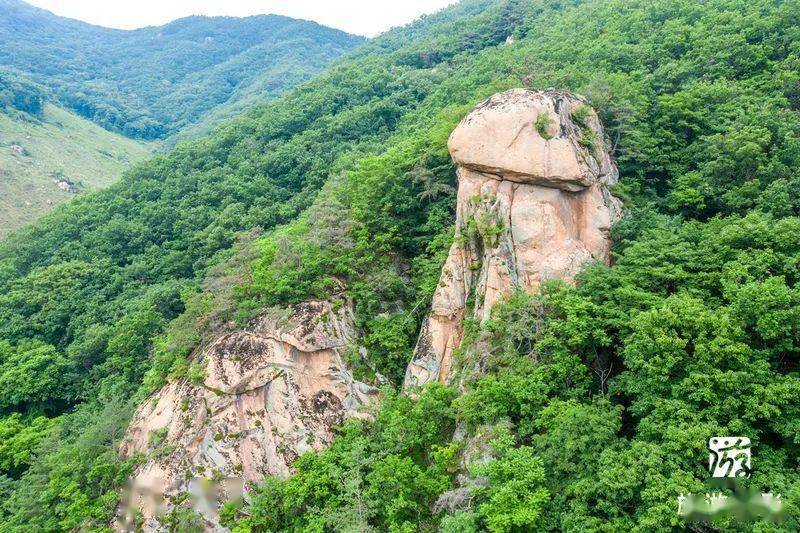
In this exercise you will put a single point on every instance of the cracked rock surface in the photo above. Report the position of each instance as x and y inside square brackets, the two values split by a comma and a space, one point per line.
[533, 205]
[271, 392]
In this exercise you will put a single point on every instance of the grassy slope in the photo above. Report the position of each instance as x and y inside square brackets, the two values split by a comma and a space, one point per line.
[61, 142]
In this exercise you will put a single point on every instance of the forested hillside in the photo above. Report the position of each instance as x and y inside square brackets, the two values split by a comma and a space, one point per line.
[151, 82]
[596, 400]
[179, 81]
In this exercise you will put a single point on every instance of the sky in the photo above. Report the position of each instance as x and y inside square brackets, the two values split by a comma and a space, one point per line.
[363, 17]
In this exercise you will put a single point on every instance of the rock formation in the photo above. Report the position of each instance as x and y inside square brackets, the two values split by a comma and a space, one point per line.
[270, 393]
[533, 205]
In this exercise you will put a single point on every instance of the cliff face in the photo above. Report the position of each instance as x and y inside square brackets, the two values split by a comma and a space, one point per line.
[270, 393]
[533, 205]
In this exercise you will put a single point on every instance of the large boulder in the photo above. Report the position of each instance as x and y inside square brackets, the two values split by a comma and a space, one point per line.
[533, 205]
[534, 137]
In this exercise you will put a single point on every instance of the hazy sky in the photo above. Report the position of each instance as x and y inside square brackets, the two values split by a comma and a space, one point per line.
[365, 17]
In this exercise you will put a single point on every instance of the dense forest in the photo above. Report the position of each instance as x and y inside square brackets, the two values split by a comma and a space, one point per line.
[19, 94]
[152, 82]
[597, 399]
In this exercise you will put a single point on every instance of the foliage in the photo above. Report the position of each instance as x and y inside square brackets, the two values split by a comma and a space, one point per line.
[515, 497]
[18, 439]
[380, 475]
[666, 351]
[76, 476]
[610, 388]
[32, 375]
[543, 121]
[182, 520]
[151, 82]
[19, 93]
[100, 280]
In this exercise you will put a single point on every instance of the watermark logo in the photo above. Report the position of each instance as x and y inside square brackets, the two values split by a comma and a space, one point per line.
[729, 464]
[729, 456]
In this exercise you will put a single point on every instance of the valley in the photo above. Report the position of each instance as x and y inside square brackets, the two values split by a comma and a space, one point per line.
[148, 89]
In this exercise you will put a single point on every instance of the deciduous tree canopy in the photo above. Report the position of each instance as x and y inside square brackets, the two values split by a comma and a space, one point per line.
[597, 400]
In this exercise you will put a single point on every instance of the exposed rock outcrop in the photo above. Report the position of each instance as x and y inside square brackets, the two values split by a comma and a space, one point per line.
[270, 393]
[533, 205]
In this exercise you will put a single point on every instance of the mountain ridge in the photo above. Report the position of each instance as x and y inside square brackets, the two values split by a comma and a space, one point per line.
[170, 82]
[125, 79]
